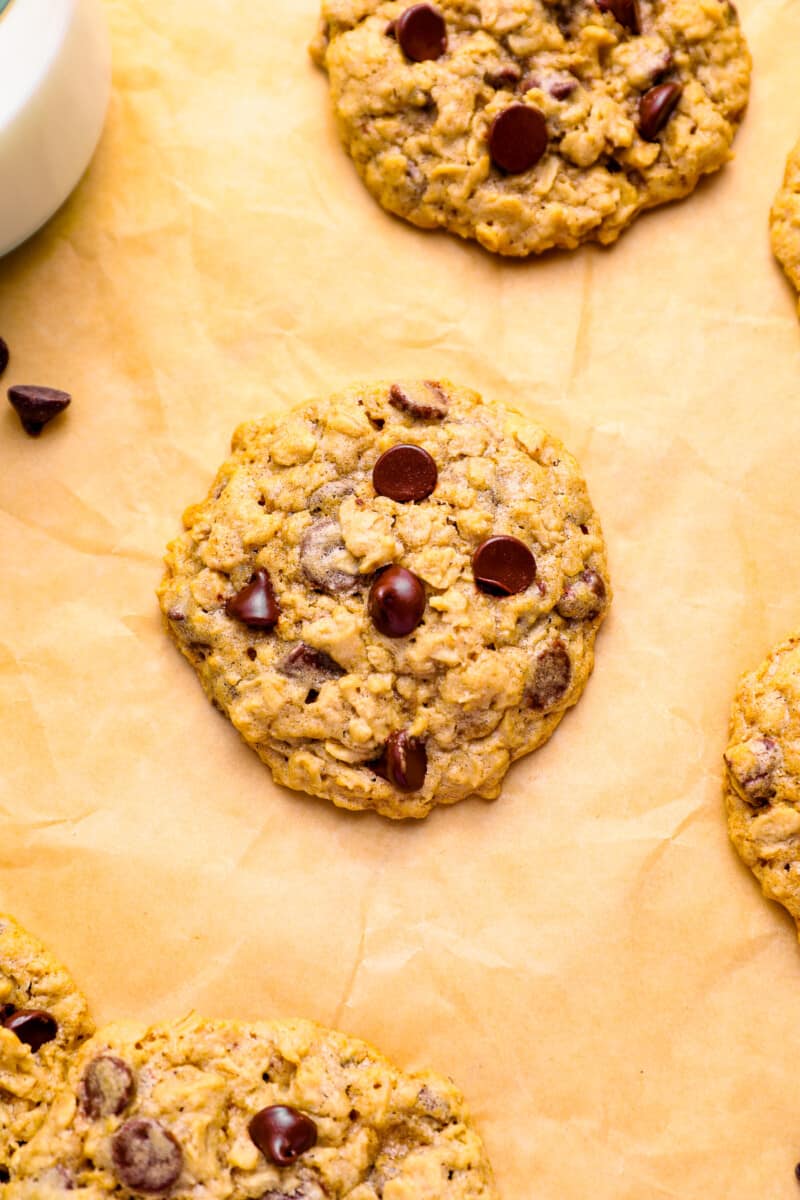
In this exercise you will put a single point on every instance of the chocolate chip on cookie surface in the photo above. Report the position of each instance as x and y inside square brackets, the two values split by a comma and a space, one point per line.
[281, 1110]
[392, 593]
[762, 789]
[532, 124]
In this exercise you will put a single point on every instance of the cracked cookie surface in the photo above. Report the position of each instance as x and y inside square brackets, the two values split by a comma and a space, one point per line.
[630, 103]
[43, 1020]
[785, 219]
[227, 1110]
[379, 650]
[762, 792]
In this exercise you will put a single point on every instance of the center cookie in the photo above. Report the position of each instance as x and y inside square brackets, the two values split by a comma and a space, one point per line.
[526, 124]
[393, 594]
[281, 1110]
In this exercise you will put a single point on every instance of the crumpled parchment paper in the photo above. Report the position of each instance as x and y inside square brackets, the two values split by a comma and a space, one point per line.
[586, 955]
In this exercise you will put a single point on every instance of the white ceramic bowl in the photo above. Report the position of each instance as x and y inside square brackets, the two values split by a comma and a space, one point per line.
[55, 80]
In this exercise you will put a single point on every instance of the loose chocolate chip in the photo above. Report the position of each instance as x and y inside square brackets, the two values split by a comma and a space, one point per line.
[517, 138]
[146, 1156]
[507, 76]
[396, 602]
[282, 1134]
[33, 1027]
[403, 762]
[550, 677]
[309, 665]
[107, 1087]
[625, 11]
[255, 605]
[421, 32]
[656, 107]
[797, 1172]
[37, 406]
[405, 473]
[583, 597]
[426, 401]
[4, 357]
[503, 566]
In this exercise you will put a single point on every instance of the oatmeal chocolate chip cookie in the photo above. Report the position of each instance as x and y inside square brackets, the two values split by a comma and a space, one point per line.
[275, 1110]
[528, 124]
[392, 593]
[762, 791]
[43, 1020]
[785, 220]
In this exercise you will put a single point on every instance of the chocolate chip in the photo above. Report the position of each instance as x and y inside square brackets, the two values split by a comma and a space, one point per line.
[560, 88]
[4, 357]
[517, 138]
[322, 555]
[391, 29]
[33, 1027]
[797, 1172]
[656, 107]
[331, 494]
[146, 1156]
[752, 766]
[107, 1087]
[550, 677]
[37, 406]
[426, 401]
[507, 77]
[282, 1134]
[397, 602]
[503, 566]
[403, 762]
[255, 605]
[4, 1175]
[309, 665]
[583, 597]
[625, 11]
[405, 473]
[421, 32]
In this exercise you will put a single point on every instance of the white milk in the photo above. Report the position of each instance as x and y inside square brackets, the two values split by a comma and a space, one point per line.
[55, 79]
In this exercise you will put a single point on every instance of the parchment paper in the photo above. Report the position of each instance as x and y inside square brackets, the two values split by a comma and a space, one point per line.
[586, 955]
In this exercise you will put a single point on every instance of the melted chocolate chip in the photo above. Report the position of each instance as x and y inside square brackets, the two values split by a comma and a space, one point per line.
[33, 1027]
[656, 107]
[583, 597]
[426, 401]
[421, 32]
[561, 89]
[517, 138]
[107, 1087]
[37, 406]
[146, 1156]
[625, 11]
[551, 676]
[397, 602]
[322, 554]
[403, 762]
[330, 495]
[752, 766]
[309, 665]
[4, 357]
[505, 77]
[282, 1134]
[405, 473]
[503, 566]
[255, 605]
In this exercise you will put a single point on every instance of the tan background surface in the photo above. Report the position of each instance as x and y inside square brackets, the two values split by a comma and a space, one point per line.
[586, 956]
